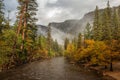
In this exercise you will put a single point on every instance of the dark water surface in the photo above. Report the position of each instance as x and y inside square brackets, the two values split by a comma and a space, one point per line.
[53, 69]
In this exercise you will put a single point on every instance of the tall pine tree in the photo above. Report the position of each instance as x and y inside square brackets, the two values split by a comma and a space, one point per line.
[115, 25]
[49, 41]
[88, 32]
[1, 15]
[107, 23]
[26, 25]
[97, 28]
[66, 42]
[79, 41]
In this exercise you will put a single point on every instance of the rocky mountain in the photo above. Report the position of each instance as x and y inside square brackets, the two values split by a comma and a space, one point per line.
[76, 26]
[68, 28]
[42, 30]
[73, 26]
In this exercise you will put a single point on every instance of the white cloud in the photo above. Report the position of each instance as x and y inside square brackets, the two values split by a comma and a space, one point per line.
[52, 1]
[60, 10]
[53, 13]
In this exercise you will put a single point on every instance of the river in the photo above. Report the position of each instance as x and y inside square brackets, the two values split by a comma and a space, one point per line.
[54, 69]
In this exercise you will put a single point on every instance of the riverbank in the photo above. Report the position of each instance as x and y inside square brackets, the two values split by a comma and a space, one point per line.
[10, 67]
[108, 75]
[112, 75]
[116, 72]
[104, 73]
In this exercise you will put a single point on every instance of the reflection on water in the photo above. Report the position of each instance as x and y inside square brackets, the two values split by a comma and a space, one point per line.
[54, 69]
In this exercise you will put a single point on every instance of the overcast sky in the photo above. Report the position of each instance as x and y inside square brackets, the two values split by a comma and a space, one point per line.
[60, 10]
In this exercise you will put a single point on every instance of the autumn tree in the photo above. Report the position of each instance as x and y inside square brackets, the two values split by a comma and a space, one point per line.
[70, 51]
[74, 42]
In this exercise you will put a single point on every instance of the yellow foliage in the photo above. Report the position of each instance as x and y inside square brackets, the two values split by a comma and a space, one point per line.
[89, 42]
[70, 50]
[94, 52]
[40, 53]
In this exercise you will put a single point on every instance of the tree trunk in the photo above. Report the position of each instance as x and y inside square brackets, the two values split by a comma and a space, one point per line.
[111, 65]
[20, 21]
[105, 66]
[25, 25]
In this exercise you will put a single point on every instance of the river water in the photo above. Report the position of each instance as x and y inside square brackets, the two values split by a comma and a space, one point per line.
[53, 69]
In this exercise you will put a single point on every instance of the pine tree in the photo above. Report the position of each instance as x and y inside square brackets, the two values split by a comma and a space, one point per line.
[49, 41]
[66, 42]
[56, 48]
[2, 19]
[40, 42]
[79, 41]
[88, 32]
[7, 21]
[26, 23]
[118, 23]
[27, 28]
[107, 24]
[115, 25]
[97, 28]
[96, 24]
[20, 16]
[108, 31]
